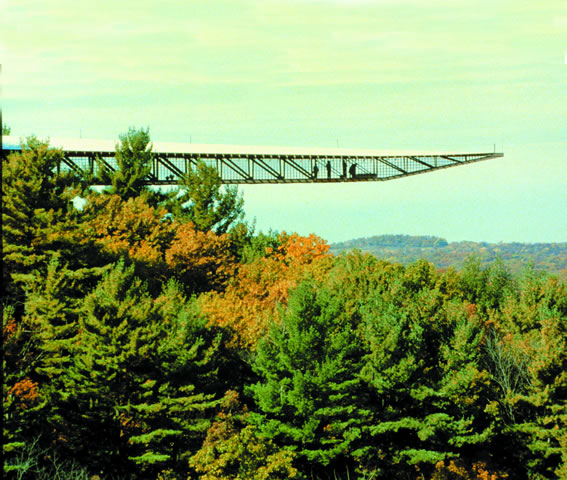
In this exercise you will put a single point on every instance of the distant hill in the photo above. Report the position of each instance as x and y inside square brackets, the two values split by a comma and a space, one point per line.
[405, 249]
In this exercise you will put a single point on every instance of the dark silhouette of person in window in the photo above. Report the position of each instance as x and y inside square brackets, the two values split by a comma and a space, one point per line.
[352, 170]
[328, 167]
[315, 171]
[344, 169]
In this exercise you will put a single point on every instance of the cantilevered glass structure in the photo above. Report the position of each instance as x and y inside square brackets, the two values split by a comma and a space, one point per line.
[239, 164]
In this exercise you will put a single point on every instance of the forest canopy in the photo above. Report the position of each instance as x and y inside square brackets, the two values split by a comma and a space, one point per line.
[156, 335]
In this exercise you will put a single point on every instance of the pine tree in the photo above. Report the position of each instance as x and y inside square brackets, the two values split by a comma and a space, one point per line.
[48, 331]
[36, 196]
[21, 400]
[143, 377]
[118, 331]
[310, 396]
[424, 363]
[201, 200]
[134, 161]
[179, 397]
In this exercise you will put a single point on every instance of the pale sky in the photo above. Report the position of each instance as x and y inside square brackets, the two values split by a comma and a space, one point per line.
[383, 74]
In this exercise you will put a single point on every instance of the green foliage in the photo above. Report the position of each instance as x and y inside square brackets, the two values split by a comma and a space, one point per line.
[35, 197]
[117, 331]
[486, 287]
[527, 357]
[49, 330]
[39, 349]
[6, 130]
[20, 396]
[201, 200]
[172, 414]
[134, 164]
[309, 395]
[142, 377]
[235, 450]
[424, 362]
[256, 247]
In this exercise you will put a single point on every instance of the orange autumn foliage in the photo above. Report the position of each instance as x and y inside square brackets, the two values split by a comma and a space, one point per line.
[301, 250]
[251, 301]
[133, 227]
[9, 329]
[471, 309]
[456, 470]
[146, 234]
[25, 391]
[201, 258]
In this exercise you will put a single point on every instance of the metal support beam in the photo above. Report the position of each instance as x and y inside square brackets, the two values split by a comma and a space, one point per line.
[248, 165]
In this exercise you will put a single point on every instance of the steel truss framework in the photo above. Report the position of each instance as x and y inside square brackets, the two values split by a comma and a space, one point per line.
[250, 168]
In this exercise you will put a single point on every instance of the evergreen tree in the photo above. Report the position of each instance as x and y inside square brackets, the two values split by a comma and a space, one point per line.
[423, 362]
[36, 196]
[201, 200]
[134, 160]
[118, 331]
[143, 377]
[179, 397]
[46, 336]
[21, 402]
[310, 396]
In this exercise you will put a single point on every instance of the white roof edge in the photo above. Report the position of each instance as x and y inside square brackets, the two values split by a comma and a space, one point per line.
[92, 145]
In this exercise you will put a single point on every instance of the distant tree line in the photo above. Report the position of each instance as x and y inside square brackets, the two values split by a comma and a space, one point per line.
[394, 241]
[517, 256]
[156, 335]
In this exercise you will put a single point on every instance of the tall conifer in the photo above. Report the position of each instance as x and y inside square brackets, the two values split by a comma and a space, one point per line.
[36, 195]
[133, 164]
[310, 396]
